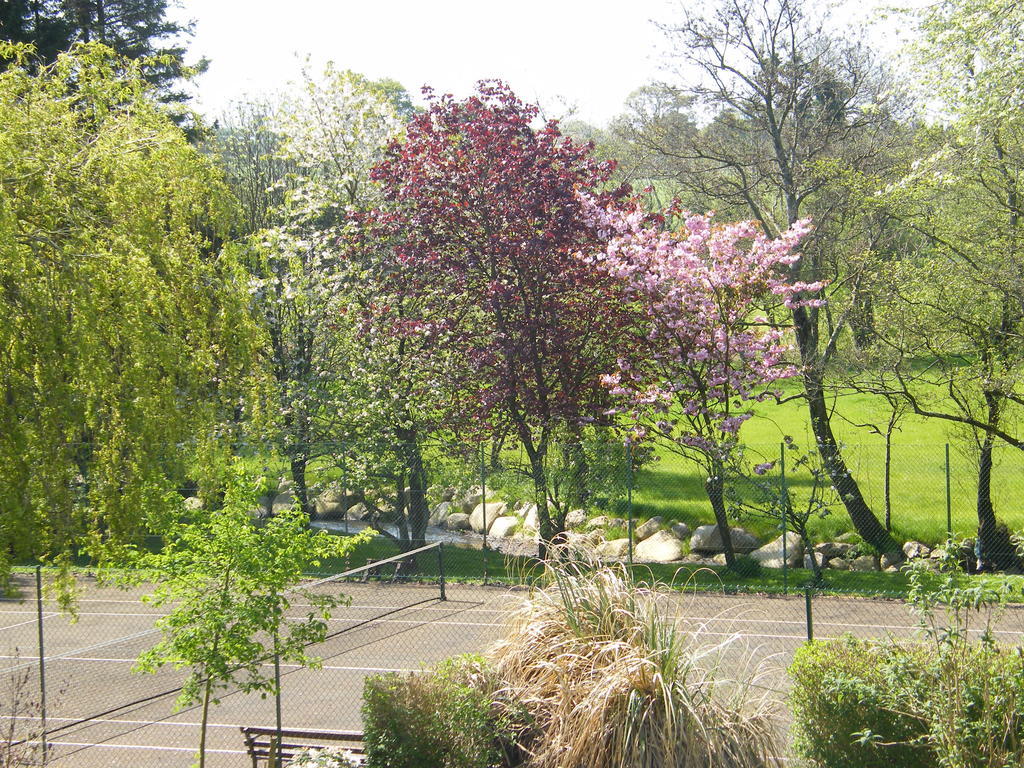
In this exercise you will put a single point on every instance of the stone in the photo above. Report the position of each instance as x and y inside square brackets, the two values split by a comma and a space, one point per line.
[440, 512]
[282, 502]
[770, 555]
[848, 538]
[864, 563]
[659, 547]
[937, 554]
[262, 510]
[616, 549]
[681, 531]
[707, 539]
[358, 512]
[504, 527]
[839, 564]
[576, 518]
[471, 498]
[890, 560]
[601, 521]
[486, 513]
[892, 569]
[808, 564]
[833, 549]
[457, 521]
[448, 494]
[530, 520]
[285, 485]
[193, 503]
[648, 529]
[718, 559]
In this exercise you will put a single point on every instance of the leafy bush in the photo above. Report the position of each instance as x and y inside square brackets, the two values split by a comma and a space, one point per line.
[953, 700]
[746, 567]
[441, 718]
[846, 708]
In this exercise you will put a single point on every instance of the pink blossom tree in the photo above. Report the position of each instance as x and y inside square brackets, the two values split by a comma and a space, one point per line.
[707, 350]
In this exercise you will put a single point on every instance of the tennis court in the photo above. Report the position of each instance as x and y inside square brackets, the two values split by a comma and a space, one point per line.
[100, 713]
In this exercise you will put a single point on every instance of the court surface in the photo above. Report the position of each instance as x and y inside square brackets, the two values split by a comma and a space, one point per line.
[100, 713]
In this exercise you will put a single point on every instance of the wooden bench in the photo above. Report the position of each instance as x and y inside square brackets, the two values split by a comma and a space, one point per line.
[261, 743]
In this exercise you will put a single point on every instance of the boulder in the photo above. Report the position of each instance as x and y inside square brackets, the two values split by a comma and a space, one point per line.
[457, 521]
[647, 529]
[448, 494]
[839, 564]
[913, 549]
[285, 485]
[833, 549]
[193, 503]
[263, 505]
[282, 502]
[808, 564]
[486, 513]
[708, 539]
[848, 538]
[864, 563]
[770, 555]
[530, 520]
[358, 512]
[659, 547]
[616, 549]
[601, 521]
[440, 512]
[576, 518]
[937, 554]
[470, 498]
[890, 560]
[503, 527]
[681, 531]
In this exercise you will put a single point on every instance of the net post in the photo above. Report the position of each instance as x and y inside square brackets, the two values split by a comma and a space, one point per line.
[42, 659]
[440, 570]
[809, 613]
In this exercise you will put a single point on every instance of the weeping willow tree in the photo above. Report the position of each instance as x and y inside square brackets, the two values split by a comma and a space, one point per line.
[126, 337]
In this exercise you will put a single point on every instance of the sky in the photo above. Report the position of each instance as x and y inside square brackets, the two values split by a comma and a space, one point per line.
[573, 57]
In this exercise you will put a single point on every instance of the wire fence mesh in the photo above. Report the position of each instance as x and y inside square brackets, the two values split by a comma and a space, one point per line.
[476, 511]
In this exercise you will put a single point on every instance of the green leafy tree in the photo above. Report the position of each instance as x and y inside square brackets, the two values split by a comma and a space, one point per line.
[231, 583]
[127, 338]
[136, 29]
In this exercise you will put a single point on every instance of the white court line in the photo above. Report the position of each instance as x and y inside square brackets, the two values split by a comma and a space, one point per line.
[682, 617]
[30, 621]
[147, 747]
[333, 667]
[122, 721]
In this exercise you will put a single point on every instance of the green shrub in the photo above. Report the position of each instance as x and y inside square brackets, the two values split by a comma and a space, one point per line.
[746, 567]
[868, 704]
[432, 719]
[846, 708]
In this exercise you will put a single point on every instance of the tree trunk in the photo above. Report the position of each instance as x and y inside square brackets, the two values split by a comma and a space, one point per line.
[863, 519]
[417, 511]
[298, 465]
[994, 545]
[715, 486]
[887, 488]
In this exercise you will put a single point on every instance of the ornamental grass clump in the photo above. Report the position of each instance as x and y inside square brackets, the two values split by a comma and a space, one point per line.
[608, 679]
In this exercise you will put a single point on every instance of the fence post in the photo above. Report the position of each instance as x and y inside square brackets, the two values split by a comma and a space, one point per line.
[483, 503]
[440, 570]
[629, 499]
[344, 483]
[275, 758]
[809, 612]
[783, 508]
[949, 500]
[42, 659]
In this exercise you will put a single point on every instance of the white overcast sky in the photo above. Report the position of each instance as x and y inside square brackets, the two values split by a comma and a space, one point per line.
[587, 54]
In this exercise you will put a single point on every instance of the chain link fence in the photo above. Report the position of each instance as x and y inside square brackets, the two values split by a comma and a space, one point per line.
[473, 516]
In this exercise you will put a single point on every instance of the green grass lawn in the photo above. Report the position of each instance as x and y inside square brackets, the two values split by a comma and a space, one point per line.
[673, 487]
